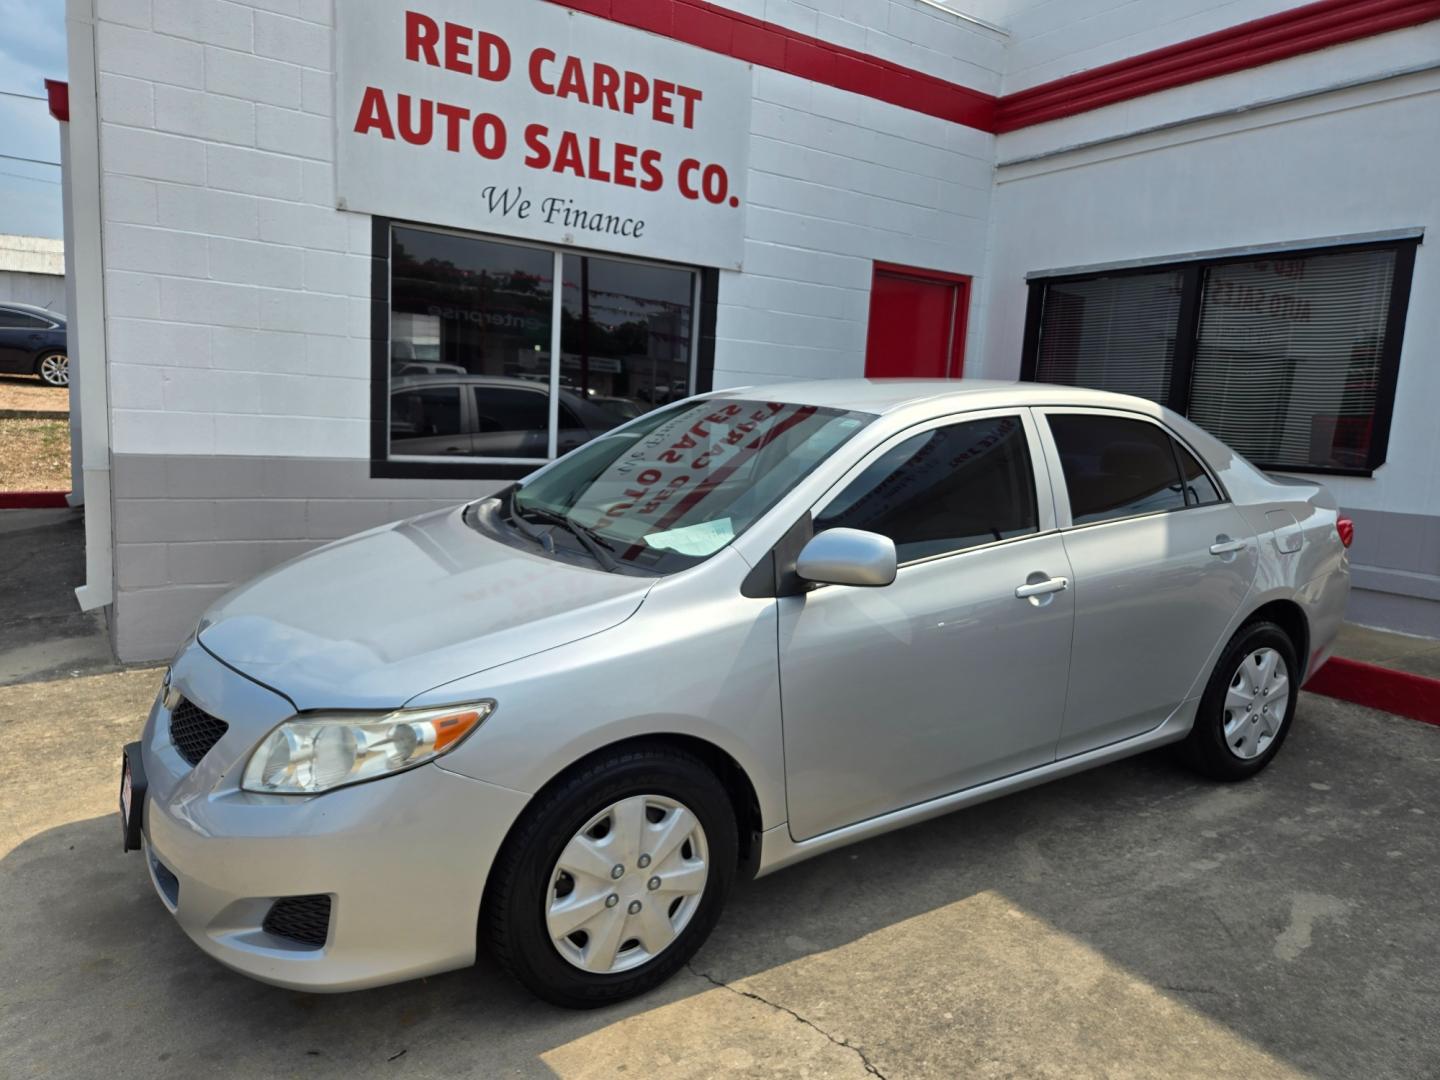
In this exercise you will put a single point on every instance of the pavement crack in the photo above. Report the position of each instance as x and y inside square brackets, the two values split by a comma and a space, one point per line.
[846, 1044]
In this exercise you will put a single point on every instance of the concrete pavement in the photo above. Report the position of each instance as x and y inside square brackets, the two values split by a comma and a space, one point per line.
[1131, 922]
[1417, 655]
[43, 632]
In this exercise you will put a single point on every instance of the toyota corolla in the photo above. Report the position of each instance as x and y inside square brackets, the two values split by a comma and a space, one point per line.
[556, 724]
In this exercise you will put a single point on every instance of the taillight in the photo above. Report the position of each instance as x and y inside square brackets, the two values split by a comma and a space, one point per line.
[1346, 528]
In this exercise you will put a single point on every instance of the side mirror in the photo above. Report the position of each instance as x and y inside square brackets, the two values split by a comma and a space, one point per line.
[848, 557]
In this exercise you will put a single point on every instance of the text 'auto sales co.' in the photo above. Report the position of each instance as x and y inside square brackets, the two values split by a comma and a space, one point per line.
[552, 130]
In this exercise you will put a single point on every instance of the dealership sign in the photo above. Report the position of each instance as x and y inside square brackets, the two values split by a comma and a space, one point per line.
[526, 119]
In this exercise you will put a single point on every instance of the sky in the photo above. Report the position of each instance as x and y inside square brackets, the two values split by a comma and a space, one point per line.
[32, 49]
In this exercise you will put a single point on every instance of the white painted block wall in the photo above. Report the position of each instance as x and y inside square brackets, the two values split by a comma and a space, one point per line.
[238, 297]
[1344, 163]
[837, 182]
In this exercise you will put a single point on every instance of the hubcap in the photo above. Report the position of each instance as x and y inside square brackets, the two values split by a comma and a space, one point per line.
[1256, 703]
[603, 921]
[55, 370]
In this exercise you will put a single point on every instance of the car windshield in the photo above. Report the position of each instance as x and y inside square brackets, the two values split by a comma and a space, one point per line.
[678, 484]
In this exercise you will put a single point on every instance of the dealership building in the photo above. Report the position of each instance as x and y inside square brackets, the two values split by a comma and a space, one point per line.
[336, 263]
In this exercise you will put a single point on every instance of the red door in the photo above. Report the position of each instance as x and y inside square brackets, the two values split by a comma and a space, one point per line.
[917, 324]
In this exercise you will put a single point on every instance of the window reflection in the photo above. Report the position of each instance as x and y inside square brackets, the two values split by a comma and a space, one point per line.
[625, 339]
[470, 326]
[470, 345]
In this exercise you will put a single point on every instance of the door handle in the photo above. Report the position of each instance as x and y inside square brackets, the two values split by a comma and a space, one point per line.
[1225, 547]
[1040, 588]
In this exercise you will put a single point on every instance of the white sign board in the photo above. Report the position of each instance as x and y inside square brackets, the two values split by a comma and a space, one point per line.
[527, 119]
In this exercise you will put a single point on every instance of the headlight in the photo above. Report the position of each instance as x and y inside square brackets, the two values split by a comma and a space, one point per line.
[316, 753]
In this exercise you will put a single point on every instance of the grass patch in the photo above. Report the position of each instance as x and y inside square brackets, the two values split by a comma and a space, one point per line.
[34, 455]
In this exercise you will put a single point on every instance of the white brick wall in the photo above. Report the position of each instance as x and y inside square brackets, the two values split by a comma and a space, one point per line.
[836, 183]
[225, 256]
[901, 31]
[1377, 150]
[230, 278]
[239, 297]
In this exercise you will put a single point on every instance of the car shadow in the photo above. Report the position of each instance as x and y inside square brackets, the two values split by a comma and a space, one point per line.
[1188, 886]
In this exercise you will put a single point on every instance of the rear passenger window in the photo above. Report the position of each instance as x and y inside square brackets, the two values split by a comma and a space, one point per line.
[9, 318]
[945, 490]
[1199, 488]
[424, 413]
[1116, 468]
[505, 410]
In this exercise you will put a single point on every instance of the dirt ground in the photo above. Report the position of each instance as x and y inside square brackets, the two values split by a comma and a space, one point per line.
[34, 455]
[24, 392]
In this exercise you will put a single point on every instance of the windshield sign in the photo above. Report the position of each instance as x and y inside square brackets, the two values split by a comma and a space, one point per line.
[677, 485]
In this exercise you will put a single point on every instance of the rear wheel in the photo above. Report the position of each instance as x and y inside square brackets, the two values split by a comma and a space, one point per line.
[53, 369]
[613, 878]
[1248, 705]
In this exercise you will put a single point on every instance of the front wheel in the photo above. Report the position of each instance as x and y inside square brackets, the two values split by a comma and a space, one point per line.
[613, 878]
[53, 369]
[1248, 705]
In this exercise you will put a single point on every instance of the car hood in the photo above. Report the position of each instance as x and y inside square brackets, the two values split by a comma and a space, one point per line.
[371, 621]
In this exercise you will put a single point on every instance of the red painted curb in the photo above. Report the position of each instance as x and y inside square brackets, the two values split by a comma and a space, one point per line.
[32, 500]
[1400, 692]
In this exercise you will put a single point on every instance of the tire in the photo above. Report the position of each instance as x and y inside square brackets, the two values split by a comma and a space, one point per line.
[528, 886]
[1239, 727]
[53, 367]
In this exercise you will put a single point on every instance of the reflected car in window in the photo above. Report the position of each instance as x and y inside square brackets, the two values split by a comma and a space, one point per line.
[489, 416]
[545, 725]
[418, 367]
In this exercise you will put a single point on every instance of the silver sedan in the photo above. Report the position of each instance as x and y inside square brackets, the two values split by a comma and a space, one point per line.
[559, 722]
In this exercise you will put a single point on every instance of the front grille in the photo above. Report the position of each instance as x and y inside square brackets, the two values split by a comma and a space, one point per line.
[304, 920]
[193, 731]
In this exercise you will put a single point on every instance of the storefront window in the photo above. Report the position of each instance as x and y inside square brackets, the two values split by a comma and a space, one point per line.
[1291, 359]
[1115, 333]
[1288, 358]
[625, 337]
[471, 330]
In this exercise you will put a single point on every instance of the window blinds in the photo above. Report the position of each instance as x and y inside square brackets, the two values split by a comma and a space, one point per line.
[1287, 363]
[1115, 333]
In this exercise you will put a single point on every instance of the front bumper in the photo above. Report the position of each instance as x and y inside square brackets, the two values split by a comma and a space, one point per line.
[403, 859]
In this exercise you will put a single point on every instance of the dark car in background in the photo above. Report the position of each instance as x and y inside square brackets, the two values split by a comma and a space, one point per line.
[32, 342]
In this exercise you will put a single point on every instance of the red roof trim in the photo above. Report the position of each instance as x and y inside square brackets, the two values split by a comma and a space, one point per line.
[59, 95]
[1237, 48]
[729, 33]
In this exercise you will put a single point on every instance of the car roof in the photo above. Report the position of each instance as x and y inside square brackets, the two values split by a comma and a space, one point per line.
[874, 396]
[32, 309]
[880, 396]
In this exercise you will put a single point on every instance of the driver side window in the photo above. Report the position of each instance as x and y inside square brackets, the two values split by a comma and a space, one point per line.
[944, 490]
